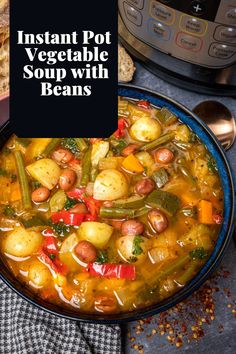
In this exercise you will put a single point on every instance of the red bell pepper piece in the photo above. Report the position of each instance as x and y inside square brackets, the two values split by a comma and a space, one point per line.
[67, 218]
[143, 104]
[77, 193]
[56, 266]
[120, 132]
[74, 162]
[90, 217]
[49, 242]
[217, 218]
[119, 271]
[92, 204]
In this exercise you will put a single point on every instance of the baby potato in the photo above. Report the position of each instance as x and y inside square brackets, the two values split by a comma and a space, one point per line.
[145, 129]
[97, 233]
[99, 151]
[46, 171]
[22, 243]
[133, 248]
[110, 184]
[66, 255]
[39, 274]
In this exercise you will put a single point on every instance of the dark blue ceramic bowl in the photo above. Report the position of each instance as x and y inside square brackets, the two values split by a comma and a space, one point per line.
[227, 179]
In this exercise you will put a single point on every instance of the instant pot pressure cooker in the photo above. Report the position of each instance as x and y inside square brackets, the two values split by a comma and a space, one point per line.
[189, 43]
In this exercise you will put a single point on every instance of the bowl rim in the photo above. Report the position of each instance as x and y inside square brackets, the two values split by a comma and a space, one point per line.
[187, 290]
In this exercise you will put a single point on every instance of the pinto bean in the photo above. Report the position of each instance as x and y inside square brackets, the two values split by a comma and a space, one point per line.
[67, 179]
[105, 303]
[144, 186]
[79, 208]
[40, 195]
[62, 155]
[163, 156]
[86, 251]
[132, 228]
[158, 220]
[130, 149]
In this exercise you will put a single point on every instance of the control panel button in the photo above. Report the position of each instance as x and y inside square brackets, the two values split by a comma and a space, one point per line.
[231, 16]
[197, 8]
[193, 25]
[159, 30]
[221, 51]
[225, 34]
[132, 14]
[162, 13]
[137, 3]
[188, 42]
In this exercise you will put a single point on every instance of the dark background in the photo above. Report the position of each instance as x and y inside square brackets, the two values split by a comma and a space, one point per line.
[61, 116]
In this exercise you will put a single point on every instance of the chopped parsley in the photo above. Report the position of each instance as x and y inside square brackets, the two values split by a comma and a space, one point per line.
[52, 256]
[70, 203]
[36, 184]
[198, 253]
[137, 249]
[132, 259]
[61, 229]
[102, 257]
[118, 145]
[70, 144]
[211, 164]
[9, 211]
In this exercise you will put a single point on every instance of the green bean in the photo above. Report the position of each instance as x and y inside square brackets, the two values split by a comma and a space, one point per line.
[93, 173]
[183, 146]
[86, 167]
[187, 274]
[116, 213]
[162, 140]
[51, 146]
[183, 169]
[141, 211]
[81, 143]
[171, 268]
[24, 184]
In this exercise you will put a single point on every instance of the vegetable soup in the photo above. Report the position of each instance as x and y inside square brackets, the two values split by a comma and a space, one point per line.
[110, 225]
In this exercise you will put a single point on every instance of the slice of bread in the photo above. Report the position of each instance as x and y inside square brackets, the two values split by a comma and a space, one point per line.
[126, 66]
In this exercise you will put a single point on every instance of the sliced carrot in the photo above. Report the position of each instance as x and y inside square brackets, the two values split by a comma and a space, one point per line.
[132, 164]
[205, 212]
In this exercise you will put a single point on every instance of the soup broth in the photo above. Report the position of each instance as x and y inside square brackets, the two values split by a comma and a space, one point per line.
[110, 225]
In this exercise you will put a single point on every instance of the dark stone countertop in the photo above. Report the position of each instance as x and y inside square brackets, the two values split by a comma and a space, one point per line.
[219, 334]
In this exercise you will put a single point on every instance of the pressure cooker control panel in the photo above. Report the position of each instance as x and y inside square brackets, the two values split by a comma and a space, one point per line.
[201, 32]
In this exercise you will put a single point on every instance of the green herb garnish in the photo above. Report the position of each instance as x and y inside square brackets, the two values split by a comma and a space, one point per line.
[102, 257]
[9, 211]
[137, 249]
[70, 144]
[70, 203]
[198, 253]
[117, 145]
[36, 184]
[211, 164]
[61, 229]
[52, 256]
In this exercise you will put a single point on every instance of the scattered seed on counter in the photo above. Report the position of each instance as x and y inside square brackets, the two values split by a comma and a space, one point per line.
[179, 325]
